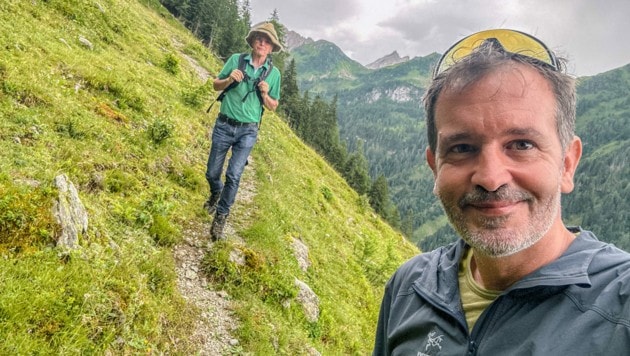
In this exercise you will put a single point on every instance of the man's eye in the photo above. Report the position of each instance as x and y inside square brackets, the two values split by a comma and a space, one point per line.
[521, 145]
[462, 148]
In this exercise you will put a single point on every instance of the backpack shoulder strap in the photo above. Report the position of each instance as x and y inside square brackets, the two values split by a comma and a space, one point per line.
[262, 77]
[264, 74]
[242, 64]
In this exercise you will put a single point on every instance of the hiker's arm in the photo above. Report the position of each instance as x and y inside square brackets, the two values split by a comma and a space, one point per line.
[269, 102]
[220, 84]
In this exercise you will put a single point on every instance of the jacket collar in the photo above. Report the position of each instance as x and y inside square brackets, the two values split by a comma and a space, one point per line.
[568, 269]
[438, 279]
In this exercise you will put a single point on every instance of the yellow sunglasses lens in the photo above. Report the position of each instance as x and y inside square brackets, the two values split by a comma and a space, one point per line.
[512, 41]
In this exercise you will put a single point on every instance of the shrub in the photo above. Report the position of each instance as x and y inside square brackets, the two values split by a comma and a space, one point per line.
[171, 64]
[162, 232]
[327, 193]
[70, 128]
[160, 130]
[118, 181]
[188, 178]
[195, 97]
[25, 217]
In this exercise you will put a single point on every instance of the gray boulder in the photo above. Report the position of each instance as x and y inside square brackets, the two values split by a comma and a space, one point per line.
[69, 213]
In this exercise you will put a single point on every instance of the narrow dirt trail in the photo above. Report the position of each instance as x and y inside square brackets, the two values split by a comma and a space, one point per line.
[213, 332]
[216, 322]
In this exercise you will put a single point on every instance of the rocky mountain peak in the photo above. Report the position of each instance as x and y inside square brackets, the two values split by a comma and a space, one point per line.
[295, 40]
[388, 60]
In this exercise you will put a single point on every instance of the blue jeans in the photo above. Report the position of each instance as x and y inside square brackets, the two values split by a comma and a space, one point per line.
[241, 140]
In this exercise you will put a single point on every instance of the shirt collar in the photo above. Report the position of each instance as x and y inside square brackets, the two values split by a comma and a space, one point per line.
[249, 58]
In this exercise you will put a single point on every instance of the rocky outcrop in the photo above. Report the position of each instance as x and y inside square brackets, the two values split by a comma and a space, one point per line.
[308, 300]
[69, 213]
[295, 40]
[300, 251]
[388, 60]
[399, 94]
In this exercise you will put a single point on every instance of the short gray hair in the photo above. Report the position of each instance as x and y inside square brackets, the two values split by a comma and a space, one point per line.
[486, 59]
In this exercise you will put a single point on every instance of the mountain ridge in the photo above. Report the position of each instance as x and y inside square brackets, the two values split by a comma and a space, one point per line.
[387, 60]
[382, 108]
[294, 40]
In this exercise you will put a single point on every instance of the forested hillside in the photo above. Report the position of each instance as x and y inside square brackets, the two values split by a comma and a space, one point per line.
[600, 200]
[322, 65]
[382, 109]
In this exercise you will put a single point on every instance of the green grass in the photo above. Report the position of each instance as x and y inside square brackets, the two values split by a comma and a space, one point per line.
[351, 250]
[125, 121]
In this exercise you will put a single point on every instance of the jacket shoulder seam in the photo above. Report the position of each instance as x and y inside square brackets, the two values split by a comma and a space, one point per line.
[599, 311]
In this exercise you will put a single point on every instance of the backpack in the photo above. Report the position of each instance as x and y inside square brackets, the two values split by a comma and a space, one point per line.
[242, 64]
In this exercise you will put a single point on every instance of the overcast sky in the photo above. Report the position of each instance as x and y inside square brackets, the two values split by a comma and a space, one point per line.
[593, 35]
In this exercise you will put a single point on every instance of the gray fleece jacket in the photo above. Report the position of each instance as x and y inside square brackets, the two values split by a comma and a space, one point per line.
[576, 305]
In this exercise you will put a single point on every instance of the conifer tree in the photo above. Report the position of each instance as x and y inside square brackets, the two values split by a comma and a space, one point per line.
[379, 195]
[220, 24]
[290, 100]
[279, 58]
[393, 215]
[320, 128]
[302, 120]
[289, 81]
[406, 225]
[356, 170]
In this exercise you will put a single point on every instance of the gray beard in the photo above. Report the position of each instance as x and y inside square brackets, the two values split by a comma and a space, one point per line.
[491, 238]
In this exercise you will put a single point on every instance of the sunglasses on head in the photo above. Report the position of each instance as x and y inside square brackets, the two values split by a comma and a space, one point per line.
[510, 41]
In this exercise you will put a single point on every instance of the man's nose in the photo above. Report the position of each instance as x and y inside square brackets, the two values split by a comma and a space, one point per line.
[492, 169]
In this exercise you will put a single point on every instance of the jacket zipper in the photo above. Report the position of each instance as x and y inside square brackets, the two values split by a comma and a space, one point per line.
[481, 326]
[459, 317]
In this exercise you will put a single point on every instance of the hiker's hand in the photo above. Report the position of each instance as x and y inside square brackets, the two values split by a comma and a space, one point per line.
[236, 75]
[264, 88]
[269, 102]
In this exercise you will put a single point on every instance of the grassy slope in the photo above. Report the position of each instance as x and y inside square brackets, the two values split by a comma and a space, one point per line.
[124, 120]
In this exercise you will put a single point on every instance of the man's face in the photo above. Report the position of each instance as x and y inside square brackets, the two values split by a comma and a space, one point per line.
[499, 167]
[262, 44]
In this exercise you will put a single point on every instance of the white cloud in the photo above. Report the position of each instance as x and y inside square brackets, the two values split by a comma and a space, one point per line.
[590, 33]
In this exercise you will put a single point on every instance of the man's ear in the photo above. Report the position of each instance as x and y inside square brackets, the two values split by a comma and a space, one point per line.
[571, 160]
[431, 160]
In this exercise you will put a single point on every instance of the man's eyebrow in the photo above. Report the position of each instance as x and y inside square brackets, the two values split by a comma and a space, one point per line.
[449, 139]
[464, 136]
[526, 131]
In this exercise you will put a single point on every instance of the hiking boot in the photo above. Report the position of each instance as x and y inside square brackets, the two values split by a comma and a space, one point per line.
[218, 224]
[211, 204]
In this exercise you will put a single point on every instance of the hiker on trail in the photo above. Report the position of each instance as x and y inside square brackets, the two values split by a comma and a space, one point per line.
[500, 118]
[246, 92]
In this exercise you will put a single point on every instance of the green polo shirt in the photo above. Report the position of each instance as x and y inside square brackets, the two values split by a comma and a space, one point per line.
[249, 110]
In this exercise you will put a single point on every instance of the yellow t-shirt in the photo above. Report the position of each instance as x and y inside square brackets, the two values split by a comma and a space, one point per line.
[475, 298]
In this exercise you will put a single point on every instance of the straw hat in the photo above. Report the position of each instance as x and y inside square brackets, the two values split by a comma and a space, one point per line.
[267, 29]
